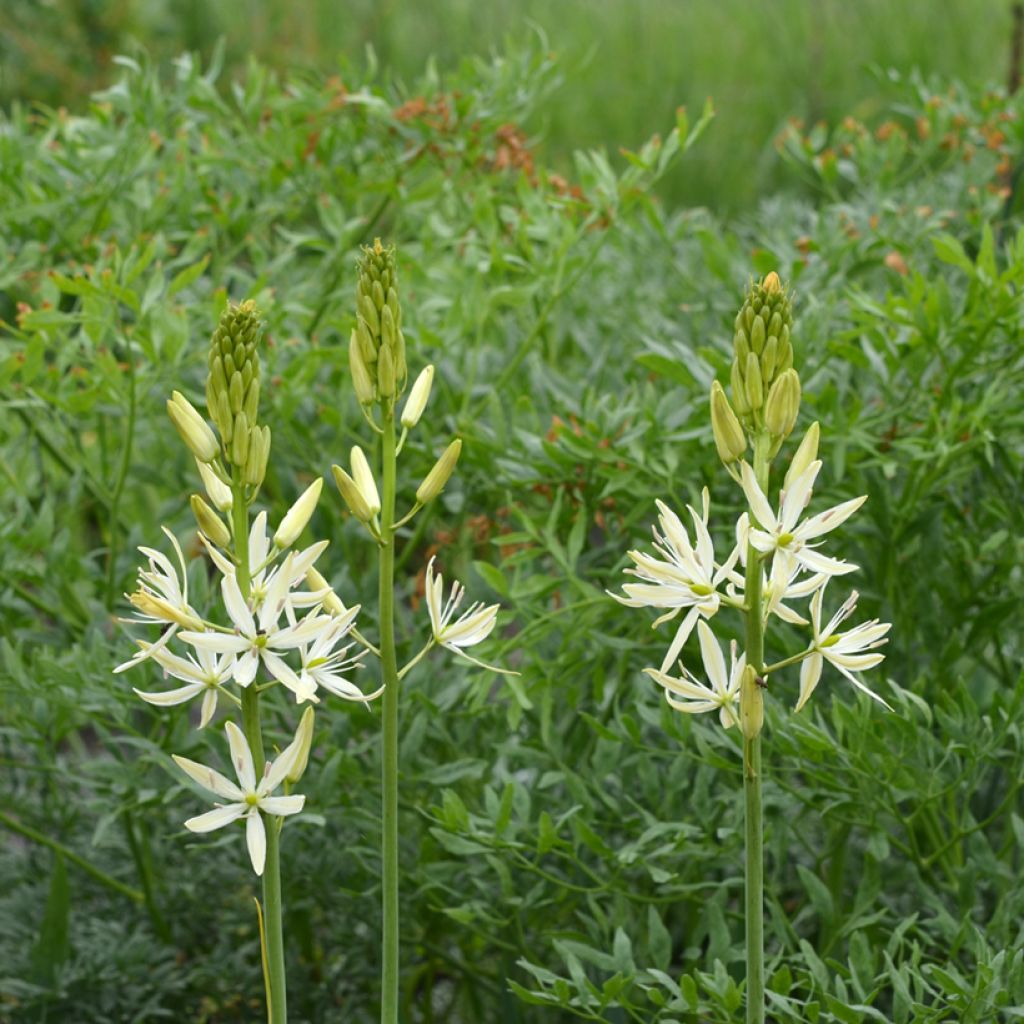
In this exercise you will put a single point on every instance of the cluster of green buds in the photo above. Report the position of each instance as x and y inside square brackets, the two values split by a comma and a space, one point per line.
[377, 346]
[765, 387]
[232, 400]
[233, 392]
[379, 374]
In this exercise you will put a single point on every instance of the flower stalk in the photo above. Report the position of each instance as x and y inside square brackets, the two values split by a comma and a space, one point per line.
[377, 361]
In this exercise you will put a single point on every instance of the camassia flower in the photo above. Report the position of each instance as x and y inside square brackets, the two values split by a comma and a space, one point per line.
[686, 576]
[784, 532]
[472, 626]
[162, 599]
[247, 798]
[259, 637]
[323, 666]
[846, 651]
[205, 674]
[722, 691]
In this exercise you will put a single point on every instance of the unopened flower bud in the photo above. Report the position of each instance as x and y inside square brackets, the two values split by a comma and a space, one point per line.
[751, 704]
[753, 385]
[362, 383]
[194, 430]
[386, 372]
[209, 522]
[783, 404]
[160, 608]
[301, 746]
[218, 491]
[317, 584]
[240, 440]
[771, 283]
[259, 454]
[804, 455]
[434, 481]
[769, 359]
[298, 516]
[729, 437]
[351, 494]
[757, 335]
[739, 390]
[363, 476]
[417, 400]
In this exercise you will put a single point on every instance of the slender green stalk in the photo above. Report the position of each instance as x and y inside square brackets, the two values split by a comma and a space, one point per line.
[753, 819]
[90, 869]
[277, 1011]
[389, 669]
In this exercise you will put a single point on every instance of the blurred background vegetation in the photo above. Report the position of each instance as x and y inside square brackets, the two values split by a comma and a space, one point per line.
[631, 64]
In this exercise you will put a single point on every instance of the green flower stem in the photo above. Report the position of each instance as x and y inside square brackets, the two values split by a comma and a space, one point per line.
[754, 827]
[389, 671]
[277, 1011]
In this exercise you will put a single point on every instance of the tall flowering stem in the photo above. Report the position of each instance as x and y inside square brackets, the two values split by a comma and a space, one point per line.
[377, 361]
[753, 823]
[272, 621]
[783, 562]
[389, 760]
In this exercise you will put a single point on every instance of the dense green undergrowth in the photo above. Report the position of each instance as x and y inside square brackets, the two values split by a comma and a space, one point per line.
[572, 848]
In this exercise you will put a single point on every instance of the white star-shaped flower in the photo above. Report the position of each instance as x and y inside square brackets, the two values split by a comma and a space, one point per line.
[721, 693]
[205, 674]
[323, 666]
[259, 637]
[846, 651]
[472, 626]
[784, 532]
[162, 599]
[687, 575]
[249, 797]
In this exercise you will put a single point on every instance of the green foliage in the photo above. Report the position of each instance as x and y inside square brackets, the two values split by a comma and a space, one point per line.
[571, 846]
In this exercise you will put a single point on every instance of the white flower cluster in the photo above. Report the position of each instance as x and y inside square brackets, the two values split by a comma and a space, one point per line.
[292, 625]
[686, 575]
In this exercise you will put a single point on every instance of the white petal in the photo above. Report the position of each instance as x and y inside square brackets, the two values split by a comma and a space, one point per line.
[259, 545]
[256, 840]
[756, 499]
[797, 496]
[682, 635]
[283, 805]
[828, 520]
[817, 562]
[209, 779]
[241, 757]
[217, 818]
[219, 643]
[246, 666]
[810, 673]
[711, 654]
[237, 607]
[171, 697]
[209, 707]
[689, 688]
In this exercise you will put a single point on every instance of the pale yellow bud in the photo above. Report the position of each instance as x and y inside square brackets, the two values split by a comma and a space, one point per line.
[259, 453]
[434, 481]
[301, 746]
[805, 454]
[418, 397]
[751, 704]
[729, 437]
[218, 491]
[317, 583]
[298, 516]
[158, 608]
[209, 522]
[363, 476]
[194, 430]
[771, 283]
[351, 494]
[361, 381]
[783, 404]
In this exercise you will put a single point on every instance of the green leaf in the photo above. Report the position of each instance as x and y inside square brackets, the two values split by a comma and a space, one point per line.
[53, 945]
